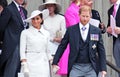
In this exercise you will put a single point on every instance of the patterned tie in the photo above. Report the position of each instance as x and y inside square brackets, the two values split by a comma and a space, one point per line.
[83, 32]
[83, 28]
[23, 17]
[21, 13]
[114, 10]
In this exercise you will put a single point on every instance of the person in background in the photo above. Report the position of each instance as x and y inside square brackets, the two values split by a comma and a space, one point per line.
[115, 12]
[55, 24]
[11, 23]
[96, 15]
[34, 47]
[85, 42]
[24, 4]
[71, 14]
[3, 4]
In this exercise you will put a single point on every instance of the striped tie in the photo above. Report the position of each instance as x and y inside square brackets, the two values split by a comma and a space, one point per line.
[21, 13]
[83, 32]
[23, 17]
[114, 10]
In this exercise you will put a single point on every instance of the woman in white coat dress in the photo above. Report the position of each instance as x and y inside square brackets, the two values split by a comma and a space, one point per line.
[34, 47]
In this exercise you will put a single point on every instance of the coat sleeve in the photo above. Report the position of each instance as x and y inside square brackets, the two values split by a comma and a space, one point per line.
[61, 48]
[101, 54]
[23, 44]
[48, 48]
[5, 16]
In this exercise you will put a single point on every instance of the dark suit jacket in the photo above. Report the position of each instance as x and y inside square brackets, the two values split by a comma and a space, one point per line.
[1, 39]
[72, 36]
[96, 15]
[110, 11]
[3, 3]
[12, 25]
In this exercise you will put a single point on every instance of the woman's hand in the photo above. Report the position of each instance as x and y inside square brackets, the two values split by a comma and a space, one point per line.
[109, 30]
[57, 39]
[117, 30]
[103, 73]
[55, 68]
[25, 69]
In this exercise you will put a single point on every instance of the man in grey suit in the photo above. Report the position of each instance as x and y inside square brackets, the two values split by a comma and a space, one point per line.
[11, 23]
[85, 42]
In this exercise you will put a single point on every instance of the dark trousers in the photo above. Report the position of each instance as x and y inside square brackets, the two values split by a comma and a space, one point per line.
[12, 66]
[116, 52]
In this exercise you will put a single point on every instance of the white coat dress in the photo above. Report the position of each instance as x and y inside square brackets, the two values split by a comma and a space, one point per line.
[34, 46]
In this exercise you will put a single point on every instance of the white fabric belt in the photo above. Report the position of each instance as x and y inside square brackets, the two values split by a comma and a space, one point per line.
[34, 52]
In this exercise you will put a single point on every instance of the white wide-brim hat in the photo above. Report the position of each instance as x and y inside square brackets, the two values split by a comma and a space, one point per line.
[58, 7]
[45, 13]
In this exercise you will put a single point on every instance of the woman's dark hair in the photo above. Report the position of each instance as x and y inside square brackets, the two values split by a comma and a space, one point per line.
[41, 16]
[56, 10]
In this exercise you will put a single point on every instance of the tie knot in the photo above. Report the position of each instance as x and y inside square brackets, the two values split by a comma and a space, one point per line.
[20, 8]
[83, 28]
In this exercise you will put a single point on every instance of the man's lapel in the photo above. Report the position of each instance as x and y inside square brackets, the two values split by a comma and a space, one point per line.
[16, 12]
[93, 38]
[77, 35]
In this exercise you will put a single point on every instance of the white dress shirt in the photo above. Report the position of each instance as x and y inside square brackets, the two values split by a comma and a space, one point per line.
[17, 5]
[85, 32]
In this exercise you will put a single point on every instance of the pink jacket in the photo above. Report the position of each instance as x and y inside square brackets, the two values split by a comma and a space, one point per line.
[72, 15]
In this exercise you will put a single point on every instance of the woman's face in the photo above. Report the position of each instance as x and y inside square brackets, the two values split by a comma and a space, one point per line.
[36, 21]
[51, 8]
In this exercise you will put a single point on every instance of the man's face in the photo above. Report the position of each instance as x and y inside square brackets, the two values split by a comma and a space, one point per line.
[85, 17]
[113, 1]
[20, 2]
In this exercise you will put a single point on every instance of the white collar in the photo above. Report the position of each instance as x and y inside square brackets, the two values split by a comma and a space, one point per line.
[81, 25]
[36, 30]
[17, 5]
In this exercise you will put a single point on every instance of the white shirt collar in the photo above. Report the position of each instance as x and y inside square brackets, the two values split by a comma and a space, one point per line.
[81, 25]
[17, 5]
[41, 30]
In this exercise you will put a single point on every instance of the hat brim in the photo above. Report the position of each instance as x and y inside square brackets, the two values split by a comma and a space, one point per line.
[42, 6]
[45, 14]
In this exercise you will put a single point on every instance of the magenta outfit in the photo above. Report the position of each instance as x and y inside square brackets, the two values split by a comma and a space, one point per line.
[71, 17]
